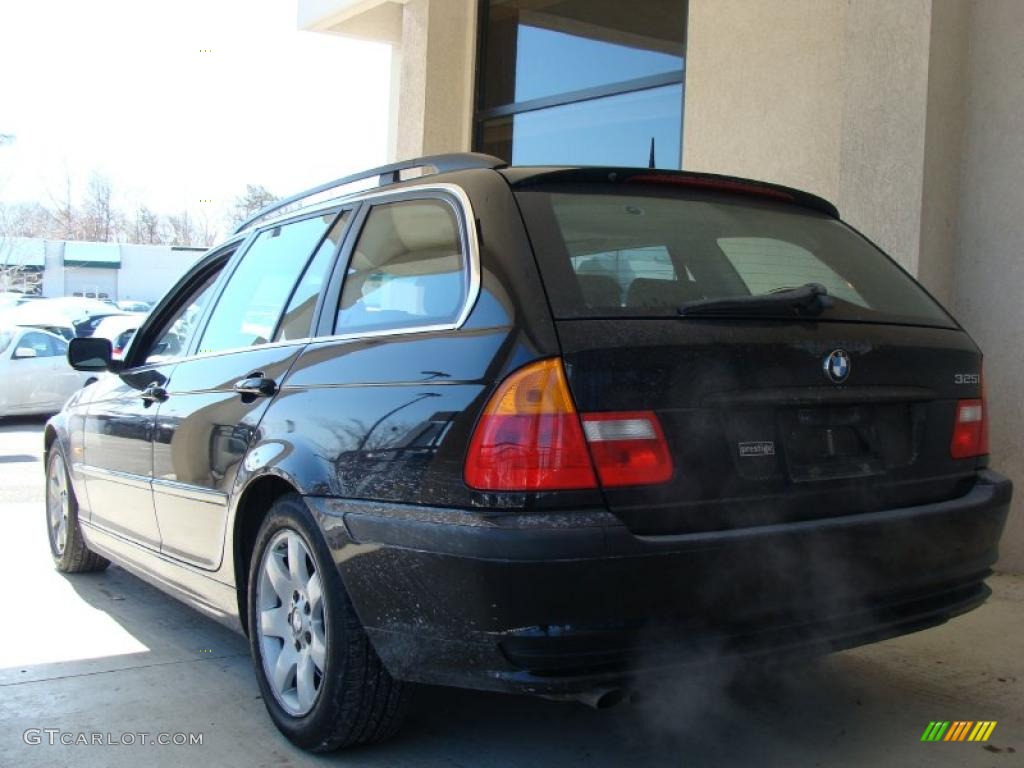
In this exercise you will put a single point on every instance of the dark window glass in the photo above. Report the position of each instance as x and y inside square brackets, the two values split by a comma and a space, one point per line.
[615, 130]
[582, 81]
[254, 297]
[173, 340]
[407, 269]
[609, 252]
[549, 62]
[297, 321]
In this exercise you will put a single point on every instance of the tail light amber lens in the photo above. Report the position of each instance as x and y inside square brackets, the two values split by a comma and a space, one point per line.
[529, 437]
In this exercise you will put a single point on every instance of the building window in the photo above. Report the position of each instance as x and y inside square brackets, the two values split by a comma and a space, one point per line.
[581, 82]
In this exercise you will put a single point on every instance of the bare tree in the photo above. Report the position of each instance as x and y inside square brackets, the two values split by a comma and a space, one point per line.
[146, 227]
[15, 222]
[101, 221]
[183, 230]
[25, 220]
[206, 231]
[63, 212]
[255, 197]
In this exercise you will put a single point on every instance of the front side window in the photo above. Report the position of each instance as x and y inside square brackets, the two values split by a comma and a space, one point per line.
[408, 269]
[256, 292]
[172, 341]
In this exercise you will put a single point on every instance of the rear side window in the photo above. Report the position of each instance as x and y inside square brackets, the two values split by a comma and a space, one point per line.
[407, 270]
[609, 251]
[256, 292]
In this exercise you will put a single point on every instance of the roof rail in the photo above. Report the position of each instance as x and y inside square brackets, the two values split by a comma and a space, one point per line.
[389, 174]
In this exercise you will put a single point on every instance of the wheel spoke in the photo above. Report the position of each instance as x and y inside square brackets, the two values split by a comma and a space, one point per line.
[284, 669]
[297, 561]
[304, 683]
[314, 594]
[274, 622]
[318, 648]
[279, 577]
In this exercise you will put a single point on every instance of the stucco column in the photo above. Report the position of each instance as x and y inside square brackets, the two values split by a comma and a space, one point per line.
[435, 79]
[990, 249]
[859, 101]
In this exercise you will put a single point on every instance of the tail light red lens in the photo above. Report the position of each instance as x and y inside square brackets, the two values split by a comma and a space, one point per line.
[530, 438]
[628, 448]
[970, 431]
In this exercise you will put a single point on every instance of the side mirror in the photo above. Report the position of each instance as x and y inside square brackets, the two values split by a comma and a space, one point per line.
[24, 353]
[90, 354]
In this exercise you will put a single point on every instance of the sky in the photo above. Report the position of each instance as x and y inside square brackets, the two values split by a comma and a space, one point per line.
[184, 101]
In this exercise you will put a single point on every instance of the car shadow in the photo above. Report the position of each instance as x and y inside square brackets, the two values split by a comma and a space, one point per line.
[11, 423]
[718, 711]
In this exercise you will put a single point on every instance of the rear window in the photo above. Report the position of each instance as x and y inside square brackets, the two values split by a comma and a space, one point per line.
[607, 252]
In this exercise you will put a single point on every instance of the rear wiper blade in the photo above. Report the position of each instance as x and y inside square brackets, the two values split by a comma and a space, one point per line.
[810, 299]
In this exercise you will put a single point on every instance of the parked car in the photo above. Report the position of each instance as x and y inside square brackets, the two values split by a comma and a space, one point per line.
[119, 329]
[74, 315]
[9, 299]
[134, 306]
[534, 430]
[35, 377]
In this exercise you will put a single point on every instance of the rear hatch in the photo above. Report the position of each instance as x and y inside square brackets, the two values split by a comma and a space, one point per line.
[689, 298]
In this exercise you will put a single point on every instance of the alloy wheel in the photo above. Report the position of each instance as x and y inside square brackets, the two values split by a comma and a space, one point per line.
[58, 505]
[291, 626]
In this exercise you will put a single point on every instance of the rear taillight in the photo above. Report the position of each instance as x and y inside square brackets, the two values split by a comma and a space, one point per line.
[628, 448]
[530, 438]
[970, 431]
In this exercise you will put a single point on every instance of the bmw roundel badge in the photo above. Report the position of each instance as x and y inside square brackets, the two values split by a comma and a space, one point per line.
[837, 366]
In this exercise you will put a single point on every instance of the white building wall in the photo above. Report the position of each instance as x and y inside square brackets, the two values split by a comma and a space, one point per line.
[149, 271]
[90, 281]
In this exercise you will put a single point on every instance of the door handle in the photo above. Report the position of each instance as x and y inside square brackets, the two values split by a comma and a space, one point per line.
[256, 385]
[153, 394]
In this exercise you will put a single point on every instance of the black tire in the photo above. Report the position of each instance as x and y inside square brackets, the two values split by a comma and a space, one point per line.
[74, 556]
[358, 701]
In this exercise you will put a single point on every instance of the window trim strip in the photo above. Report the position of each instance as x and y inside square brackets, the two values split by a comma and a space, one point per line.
[467, 222]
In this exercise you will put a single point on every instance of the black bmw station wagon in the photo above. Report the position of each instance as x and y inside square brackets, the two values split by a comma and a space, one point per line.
[533, 430]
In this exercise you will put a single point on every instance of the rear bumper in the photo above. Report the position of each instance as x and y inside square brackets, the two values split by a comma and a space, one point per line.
[561, 603]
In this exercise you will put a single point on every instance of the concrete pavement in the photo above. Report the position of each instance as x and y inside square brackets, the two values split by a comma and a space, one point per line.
[106, 653]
